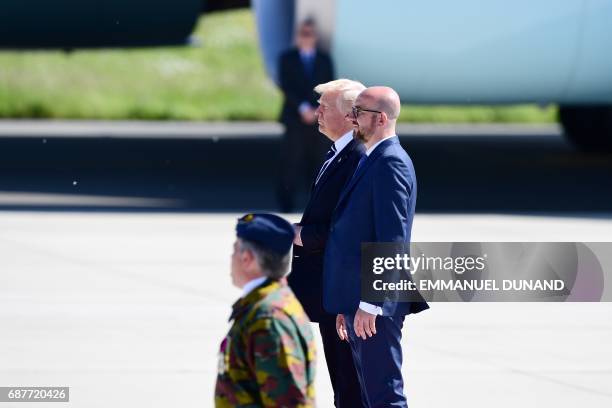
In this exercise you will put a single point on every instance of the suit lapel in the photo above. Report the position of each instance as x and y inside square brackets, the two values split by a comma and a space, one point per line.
[331, 169]
[335, 164]
[365, 166]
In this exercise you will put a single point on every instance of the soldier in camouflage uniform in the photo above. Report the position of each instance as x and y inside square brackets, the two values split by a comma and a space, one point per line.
[267, 358]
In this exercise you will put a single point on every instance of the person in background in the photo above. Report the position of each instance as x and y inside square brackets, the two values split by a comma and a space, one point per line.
[267, 358]
[302, 147]
[305, 279]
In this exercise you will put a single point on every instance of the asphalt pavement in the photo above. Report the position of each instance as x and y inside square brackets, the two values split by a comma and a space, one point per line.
[194, 167]
[128, 309]
[114, 260]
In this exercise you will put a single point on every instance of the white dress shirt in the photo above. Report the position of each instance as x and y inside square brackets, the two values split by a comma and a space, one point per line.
[338, 146]
[341, 143]
[252, 284]
[367, 307]
[371, 149]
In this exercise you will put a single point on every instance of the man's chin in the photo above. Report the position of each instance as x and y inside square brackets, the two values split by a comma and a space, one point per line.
[360, 136]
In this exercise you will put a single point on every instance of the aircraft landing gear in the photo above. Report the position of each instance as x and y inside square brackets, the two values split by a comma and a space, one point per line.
[589, 128]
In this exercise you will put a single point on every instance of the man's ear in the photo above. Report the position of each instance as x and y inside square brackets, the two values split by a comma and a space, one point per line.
[383, 119]
[247, 256]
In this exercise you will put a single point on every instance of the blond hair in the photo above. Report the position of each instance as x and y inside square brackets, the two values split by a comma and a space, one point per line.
[348, 91]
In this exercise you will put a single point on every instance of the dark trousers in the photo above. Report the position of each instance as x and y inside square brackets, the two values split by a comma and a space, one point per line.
[378, 361]
[347, 392]
[302, 152]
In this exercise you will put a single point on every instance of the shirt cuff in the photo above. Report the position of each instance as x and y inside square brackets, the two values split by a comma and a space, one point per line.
[304, 106]
[300, 234]
[371, 309]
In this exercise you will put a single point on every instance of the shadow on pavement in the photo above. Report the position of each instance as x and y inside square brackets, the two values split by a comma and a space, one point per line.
[456, 173]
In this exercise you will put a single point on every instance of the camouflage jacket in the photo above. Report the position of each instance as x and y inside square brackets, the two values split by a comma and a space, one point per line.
[267, 358]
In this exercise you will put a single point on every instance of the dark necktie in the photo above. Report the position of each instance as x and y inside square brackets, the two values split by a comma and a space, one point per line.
[328, 159]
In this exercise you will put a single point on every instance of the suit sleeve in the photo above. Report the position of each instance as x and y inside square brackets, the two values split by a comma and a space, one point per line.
[286, 81]
[392, 190]
[391, 194]
[278, 362]
[314, 236]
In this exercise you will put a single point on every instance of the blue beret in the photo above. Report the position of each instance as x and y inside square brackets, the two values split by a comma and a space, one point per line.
[269, 231]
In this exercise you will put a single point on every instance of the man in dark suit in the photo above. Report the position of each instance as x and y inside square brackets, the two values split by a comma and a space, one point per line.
[377, 205]
[300, 69]
[336, 102]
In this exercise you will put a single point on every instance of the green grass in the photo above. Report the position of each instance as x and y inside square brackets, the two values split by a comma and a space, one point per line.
[223, 79]
[478, 114]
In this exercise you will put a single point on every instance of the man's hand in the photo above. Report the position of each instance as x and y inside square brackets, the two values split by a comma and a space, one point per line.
[341, 327]
[308, 116]
[297, 240]
[365, 324]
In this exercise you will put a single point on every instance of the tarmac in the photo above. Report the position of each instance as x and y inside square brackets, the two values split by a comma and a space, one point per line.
[115, 242]
[129, 309]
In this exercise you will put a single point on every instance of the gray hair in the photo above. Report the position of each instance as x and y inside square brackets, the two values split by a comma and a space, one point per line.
[272, 264]
[348, 91]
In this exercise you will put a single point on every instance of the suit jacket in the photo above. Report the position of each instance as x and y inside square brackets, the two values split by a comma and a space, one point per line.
[307, 266]
[377, 205]
[297, 86]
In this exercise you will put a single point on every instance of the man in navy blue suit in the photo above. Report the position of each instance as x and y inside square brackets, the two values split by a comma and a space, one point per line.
[335, 104]
[377, 205]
